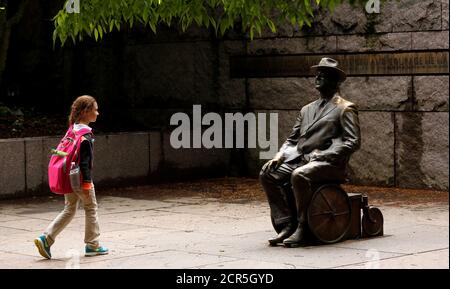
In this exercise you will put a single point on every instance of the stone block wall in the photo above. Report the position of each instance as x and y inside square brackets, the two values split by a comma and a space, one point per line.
[145, 78]
[119, 160]
[404, 118]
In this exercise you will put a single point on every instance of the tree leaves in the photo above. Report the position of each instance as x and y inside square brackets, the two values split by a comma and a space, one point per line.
[98, 17]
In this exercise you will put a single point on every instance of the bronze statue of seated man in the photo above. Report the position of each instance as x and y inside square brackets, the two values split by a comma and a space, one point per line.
[324, 136]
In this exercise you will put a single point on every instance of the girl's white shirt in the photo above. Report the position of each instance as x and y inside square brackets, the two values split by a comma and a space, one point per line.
[78, 126]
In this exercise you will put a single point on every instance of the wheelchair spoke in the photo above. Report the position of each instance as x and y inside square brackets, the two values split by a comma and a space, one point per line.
[326, 201]
[342, 213]
[322, 213]
[318, 227]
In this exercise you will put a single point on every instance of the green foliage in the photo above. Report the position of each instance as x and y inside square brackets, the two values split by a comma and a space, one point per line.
[98, 17]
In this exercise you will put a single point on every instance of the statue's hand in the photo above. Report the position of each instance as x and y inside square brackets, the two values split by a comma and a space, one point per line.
[273, 164]
[316, 156]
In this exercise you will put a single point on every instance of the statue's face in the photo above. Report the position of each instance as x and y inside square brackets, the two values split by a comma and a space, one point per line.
[325, 81]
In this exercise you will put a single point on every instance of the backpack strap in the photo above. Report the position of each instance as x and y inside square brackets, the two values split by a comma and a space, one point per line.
[69, 130]
[80, 135]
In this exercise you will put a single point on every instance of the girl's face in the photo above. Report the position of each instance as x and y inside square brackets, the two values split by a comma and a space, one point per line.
[91, 116]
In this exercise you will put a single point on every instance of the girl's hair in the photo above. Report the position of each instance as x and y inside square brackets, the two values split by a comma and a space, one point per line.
[80, 106]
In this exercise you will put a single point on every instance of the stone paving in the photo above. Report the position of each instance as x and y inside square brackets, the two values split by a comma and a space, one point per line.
[198, 232]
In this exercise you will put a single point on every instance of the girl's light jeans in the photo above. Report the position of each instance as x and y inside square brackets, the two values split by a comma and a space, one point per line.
[92, 231]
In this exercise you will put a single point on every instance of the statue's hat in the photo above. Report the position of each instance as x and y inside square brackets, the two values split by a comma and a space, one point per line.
[330, 64]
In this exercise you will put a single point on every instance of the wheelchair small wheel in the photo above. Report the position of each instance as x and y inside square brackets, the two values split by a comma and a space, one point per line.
[329, 214]
[373, 225]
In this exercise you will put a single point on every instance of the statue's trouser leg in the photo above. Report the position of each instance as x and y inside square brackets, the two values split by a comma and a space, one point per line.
[312, 173]
[277, 186]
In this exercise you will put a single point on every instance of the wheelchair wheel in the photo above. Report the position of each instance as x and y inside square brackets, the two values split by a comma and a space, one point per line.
[372, 223]
[329, 214]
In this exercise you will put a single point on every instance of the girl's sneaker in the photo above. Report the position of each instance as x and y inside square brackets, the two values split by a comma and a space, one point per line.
[89, 252]
[43, 247]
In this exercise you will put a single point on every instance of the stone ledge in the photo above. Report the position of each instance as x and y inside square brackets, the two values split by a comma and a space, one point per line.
[24, 162]
[12, 167]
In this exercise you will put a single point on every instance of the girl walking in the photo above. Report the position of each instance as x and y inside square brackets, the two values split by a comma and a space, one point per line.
[84, 110]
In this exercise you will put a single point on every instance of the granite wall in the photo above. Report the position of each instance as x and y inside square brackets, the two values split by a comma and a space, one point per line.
[404, 118]
[142, 78]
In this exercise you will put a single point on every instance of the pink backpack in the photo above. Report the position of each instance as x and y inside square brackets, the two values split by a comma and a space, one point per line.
[61, 159]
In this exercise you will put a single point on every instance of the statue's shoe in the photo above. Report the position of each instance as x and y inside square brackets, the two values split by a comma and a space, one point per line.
[285, 233]
[296, 239]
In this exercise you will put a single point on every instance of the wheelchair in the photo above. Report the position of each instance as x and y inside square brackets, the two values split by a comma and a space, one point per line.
[334, 215]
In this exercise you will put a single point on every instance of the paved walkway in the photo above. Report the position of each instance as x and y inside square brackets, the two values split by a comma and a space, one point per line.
[198, 232]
